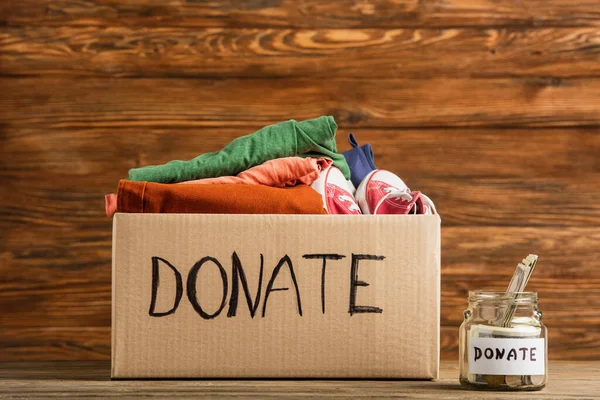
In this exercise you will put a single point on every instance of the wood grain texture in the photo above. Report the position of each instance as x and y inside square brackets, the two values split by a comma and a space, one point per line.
[90, 379]
[73, 289]
[64, 280]
[579, 343]
[108, 152]
[93, 343]
[507, 183]
[55, 343]
[54, 102]
[305, 14]
[324, 53]
[488, 106]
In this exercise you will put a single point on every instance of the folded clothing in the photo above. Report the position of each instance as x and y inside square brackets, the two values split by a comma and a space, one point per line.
[150, 197]
[360, 160]
[281, 172]
[312, 138]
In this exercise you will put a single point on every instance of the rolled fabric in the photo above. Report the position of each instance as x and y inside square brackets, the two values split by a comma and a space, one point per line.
[312, 138]
[281, 172]
[150, 197]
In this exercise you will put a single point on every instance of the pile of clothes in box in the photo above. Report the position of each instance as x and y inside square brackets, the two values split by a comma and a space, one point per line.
[287, 168]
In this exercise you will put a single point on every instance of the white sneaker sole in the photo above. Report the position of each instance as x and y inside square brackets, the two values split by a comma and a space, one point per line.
[361, 193]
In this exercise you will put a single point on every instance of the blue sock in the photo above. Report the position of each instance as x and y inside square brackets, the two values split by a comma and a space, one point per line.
[360, 159]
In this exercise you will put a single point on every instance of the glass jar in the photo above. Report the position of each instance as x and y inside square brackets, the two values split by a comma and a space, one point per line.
[502, 344]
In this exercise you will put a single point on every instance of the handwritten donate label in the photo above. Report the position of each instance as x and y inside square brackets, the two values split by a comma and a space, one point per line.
[500, 356]
[237, 279]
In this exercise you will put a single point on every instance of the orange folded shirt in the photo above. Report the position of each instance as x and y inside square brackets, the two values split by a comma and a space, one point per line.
[149, 197]
[280, 172]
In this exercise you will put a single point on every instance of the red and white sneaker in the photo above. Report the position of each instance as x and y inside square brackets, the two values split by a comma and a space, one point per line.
[382, 192]
[336, 193]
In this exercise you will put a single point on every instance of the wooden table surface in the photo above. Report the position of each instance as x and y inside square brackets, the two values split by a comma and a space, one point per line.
[90, 379]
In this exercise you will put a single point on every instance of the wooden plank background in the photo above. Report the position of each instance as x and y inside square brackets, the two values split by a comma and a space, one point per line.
[491, 107]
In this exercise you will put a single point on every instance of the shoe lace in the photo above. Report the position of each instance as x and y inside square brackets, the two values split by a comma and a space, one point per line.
[429, 204]
[352, 206]
[394, 194]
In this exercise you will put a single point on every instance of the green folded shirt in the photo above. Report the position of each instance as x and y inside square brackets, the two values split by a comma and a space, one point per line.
[312, 138]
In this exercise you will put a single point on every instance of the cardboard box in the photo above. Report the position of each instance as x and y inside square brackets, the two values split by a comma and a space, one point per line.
[341, 296]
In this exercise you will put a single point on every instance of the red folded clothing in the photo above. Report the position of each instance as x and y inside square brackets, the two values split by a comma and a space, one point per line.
[149, 197]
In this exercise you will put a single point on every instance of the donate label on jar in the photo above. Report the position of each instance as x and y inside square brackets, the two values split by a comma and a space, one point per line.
[499, 356]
